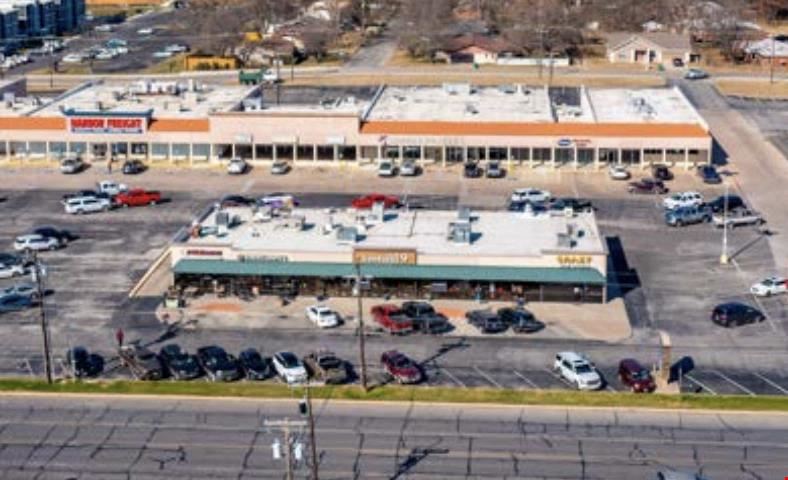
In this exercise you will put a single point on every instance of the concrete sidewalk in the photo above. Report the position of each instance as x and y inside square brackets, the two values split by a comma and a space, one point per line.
[603, 322]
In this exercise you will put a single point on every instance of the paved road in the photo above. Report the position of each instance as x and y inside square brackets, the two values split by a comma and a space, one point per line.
[107, 439]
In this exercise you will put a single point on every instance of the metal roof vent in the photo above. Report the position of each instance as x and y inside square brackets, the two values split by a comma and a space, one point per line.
[508, 89]
[347, 235]
[464, 214]
[471, 109]
[460, 232]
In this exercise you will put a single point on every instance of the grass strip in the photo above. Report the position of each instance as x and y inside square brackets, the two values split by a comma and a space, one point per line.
[407, 394]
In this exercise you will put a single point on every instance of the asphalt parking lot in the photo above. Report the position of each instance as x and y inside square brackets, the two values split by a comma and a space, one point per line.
[670, 279]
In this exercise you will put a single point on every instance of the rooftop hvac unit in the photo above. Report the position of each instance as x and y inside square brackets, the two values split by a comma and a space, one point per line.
[471, 109]
[460, 232]
[464, 214]
[347, 235]
[457, 88]
[508, 89]
[376, 214]
[222, 223]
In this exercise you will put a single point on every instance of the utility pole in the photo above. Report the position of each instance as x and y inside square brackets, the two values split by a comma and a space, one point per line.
[360, 315]
[289, 445]
[771, 62]
[312, 440]
[38, 274]
[724, 255]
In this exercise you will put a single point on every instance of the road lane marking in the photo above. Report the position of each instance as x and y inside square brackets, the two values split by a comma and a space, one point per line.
[487, 377]
[248, 185]
[525, 380]
[732, 382]
[705, 387]
[453, 378]
[773, 384]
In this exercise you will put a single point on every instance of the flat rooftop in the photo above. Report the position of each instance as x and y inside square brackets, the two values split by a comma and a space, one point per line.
[647, 105]
[496, 234]
[169, 99]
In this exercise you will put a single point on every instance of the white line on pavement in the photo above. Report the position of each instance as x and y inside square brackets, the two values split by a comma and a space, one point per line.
[524, 379]
[487, 377]
[755, 298]
[453, 378]
[732, 382]
[692, 379]
[248, 185]
[773, 384]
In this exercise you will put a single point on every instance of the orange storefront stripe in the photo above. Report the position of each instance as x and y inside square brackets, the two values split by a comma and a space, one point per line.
[180, 125]
[32, 123]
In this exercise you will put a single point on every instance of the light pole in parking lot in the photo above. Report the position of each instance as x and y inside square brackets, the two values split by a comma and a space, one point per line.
[724, 255]
[38, 272]
[360, 315]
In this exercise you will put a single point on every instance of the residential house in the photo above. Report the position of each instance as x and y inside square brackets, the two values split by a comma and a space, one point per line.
[478, 49]
[765, 51]
[649, 48]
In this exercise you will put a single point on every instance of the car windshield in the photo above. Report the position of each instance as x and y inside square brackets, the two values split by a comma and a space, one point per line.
[288, 360]
[641, 375]
[583, 368]
[329, 362]
[325, 313]
[401, 362]
[253, 359]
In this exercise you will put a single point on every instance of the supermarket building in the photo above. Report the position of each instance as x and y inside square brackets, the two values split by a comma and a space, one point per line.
[188, 122]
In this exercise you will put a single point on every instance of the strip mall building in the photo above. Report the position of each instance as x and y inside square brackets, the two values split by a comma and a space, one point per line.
[197, 124]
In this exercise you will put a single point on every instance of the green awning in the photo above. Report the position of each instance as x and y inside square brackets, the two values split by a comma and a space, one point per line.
[583, 275]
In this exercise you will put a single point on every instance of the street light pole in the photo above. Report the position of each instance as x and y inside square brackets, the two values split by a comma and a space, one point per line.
[38, 274]
[312, 441]
[360, 315]
[724, 255]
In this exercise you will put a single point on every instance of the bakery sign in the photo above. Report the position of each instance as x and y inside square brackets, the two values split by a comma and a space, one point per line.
[112, 122]
[385, 256]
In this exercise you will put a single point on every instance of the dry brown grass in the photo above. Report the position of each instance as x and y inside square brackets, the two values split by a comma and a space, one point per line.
[754, 88]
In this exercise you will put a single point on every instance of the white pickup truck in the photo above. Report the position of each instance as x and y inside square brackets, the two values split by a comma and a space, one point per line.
[111, 188]
[738, 218]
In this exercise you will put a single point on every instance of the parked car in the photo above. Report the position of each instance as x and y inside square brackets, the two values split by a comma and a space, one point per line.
[136, 197]
[25, 289]
[35, 242]
[633, 375]
[520, 320]
[718, 204]
[647, 185]
[577, 370]
[682, 199]
[387, 168]
[324, 366]
[84, 364]
[409, 168]
[661, 172]
[526, 207]
[734, 314]
[392, 319]
[289, 367]
[176, 48]
[530, 195]
[494, 170]
[677, 62]
[87, 193]
[237, 166]
[179, 364]
[770, 286]
[401, 367]
[389, 201]
[277, 200]
[141, 362]
[11, 270]
[71, 165]
[681, 216]
[695, 74]
[738, 218]
[270, 76]
[228, 201]
[145, 31]
[133, 167]
[254, 365]
[709, 174]
[322, 316]
[486, 321]
[63, 237]
[676, 475]
[425, 319]
[618, 172]
[110, 188]
[15, 303]
[81, 205]
[472, 170]
[280, 167]
[217, 364]
[72, 58]
[575, 204]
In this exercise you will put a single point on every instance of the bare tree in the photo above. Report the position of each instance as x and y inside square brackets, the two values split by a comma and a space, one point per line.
[426, 20]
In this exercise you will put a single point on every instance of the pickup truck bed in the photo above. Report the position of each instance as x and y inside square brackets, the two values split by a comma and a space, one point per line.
[738, 219]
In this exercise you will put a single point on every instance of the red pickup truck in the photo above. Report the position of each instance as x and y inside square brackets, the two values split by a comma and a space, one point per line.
[136, 197]
[392, 319]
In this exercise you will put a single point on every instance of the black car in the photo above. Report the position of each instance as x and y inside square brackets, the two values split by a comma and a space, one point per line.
[84, 364]
[16, 302]
[661, 172]
[236, 201]
[218, 365]
[718, 204]
[647, 185]
[734, 314]
[494, 170]
[520, 320]
[486, 321]
[709, 174]
[133, 167]
[425, 319]
[254, 366]
[472, 170]
[63, 237]
[576, 204]
[521, 206]
[178, 364]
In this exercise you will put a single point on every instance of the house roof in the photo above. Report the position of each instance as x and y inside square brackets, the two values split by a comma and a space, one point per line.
[664, 40]
[766, 48]
[494, 44]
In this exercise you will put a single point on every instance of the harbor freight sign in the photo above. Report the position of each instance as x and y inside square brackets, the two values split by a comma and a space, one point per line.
[108, 124]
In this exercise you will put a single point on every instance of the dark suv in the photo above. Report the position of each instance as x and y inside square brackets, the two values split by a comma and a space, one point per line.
[520, 320]
[718, 204]
[472, 170]
[632, 374]
[661, 172]
[424, 317]
[734, 314]
[486, 321]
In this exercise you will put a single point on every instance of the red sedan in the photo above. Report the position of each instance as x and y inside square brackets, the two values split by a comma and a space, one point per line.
[365, 202]
[137, 197]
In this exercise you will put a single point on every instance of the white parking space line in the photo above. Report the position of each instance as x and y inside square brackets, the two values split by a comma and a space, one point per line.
[487, 377]
[773, 384]
[733, 382]
[525, 379]
[755, 298]
[453, 378]
[248, 185]
[705, 387]
[556, 376]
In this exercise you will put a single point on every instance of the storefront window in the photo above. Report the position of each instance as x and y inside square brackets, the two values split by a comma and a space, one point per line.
[520, 154]
[433, 153]
[542, 154]
[325, 152]
[264, 152]
[78, 148]
[284, 152]
[411, 152]
[347, 153]
[370, 153]
[18, 149]
[498, 153]
[3, 148]
[608, 155]
[223, 151]
[242, 151]
[139, 149]
[455, 154]
[180, 150]
[58, 149]
[160, 150]
[630, 157]
[37, 149]
[585, 156]
[477, 153]
[201, 151]
[305, 152]
[391, 152]
[652, 155]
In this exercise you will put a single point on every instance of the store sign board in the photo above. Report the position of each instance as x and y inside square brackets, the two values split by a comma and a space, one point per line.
[264, 258]
[385, 256]
[203, 252]
[134, 125]
[574, 260]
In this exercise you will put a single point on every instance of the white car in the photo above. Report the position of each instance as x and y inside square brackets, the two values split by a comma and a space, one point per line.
[35, 242]
[71, 166]
[145, 31]
[387, 169]
[289, 367]
[277, 200]
[280, 167]
[683, 199]
[162, 54]
[11, 270]
[531, 195]
[770, 286]
[72, 58]
[322, 316]
[79, 205]
[577, 370]
[270, 76]
[409, 168]
[618, 172]
[176, 48]
[111, 188]
[24, 289]
[105, 54]
[103, 28]
[237, 166]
